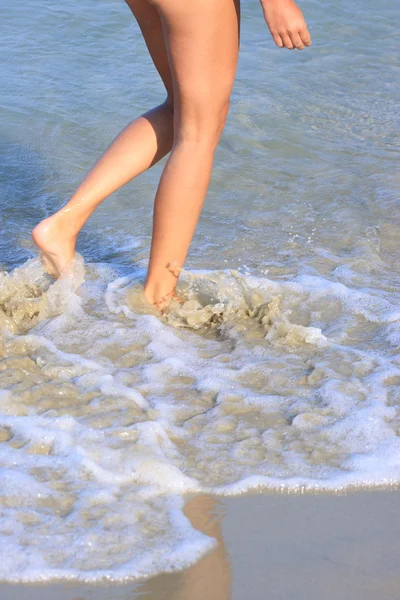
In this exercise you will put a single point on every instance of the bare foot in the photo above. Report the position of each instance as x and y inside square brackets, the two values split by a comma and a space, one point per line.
[162, 301]
[56, 243]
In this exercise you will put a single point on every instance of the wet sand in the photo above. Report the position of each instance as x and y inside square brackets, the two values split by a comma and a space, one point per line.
[272, 547]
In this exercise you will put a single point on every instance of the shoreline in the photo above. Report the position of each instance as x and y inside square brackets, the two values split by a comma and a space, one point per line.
[270, 546]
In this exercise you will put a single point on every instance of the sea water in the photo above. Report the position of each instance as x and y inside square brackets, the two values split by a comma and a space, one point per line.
[281, 370]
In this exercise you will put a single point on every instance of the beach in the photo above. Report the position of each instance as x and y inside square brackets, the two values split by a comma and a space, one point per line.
[270, 396]
[302, 547]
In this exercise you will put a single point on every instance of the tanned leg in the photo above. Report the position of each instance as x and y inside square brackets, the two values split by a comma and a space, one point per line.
[140, 145]
[202, 38]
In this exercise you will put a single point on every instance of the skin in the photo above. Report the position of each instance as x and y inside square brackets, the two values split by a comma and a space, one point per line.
[194, 46]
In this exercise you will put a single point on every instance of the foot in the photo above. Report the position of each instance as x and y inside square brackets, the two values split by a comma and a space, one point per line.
[161, 301]
[56, 243]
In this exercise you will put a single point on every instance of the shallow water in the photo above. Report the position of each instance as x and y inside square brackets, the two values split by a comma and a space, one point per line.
[282, 368]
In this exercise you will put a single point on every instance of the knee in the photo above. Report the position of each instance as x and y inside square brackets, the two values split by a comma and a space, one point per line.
[221, 117]
[202, 123]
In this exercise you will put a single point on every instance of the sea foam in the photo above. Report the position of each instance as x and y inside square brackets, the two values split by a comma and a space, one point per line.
[110, 414]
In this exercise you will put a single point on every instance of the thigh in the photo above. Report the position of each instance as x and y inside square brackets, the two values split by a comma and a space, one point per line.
[149, 21]
[202, 39]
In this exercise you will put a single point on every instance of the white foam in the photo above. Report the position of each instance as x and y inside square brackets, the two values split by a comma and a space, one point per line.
[110, 415]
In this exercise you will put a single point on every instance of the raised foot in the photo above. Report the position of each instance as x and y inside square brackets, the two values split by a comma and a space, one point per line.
[56, 244]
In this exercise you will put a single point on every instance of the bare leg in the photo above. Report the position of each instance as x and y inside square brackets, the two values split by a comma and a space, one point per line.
[202, 38]
[140, 145]
[197, 62]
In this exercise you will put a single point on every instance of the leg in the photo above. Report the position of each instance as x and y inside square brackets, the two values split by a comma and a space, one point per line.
[202, 38]
[140, 145]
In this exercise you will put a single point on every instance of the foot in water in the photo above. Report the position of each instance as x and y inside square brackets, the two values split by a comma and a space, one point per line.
[162, 302]
[56, 243]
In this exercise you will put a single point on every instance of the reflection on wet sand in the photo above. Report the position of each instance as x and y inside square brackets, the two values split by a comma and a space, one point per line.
[210, 577]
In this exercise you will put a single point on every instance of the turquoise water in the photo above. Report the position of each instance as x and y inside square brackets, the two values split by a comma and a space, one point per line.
[281, 371]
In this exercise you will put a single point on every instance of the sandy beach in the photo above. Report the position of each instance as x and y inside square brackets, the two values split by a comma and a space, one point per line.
[279, 368]
[273, 547]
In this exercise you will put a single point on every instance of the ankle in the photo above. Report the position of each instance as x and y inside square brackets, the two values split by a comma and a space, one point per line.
[68, 221]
